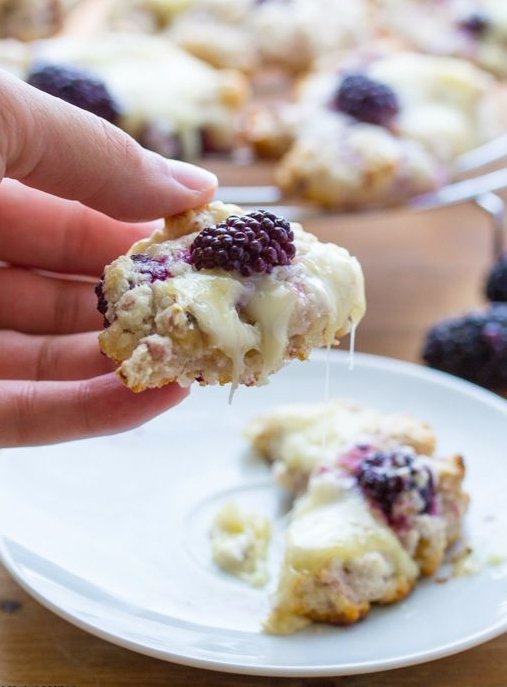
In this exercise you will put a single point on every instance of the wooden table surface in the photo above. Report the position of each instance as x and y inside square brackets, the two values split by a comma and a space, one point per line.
[418, 268]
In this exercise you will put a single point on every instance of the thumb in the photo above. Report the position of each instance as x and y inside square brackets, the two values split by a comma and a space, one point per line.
[55, 147]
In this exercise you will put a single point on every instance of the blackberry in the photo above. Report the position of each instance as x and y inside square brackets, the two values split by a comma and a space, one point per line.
[102, 304]
[384, 476]
[148, 269]
[152, 268]
[10, 605]
[253, 243]
[473, 346]
[366, 100]
[496, 283]
[77, 87]
[475, 24]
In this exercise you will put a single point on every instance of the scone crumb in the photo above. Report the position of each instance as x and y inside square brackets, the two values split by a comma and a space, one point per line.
[239, 543]
[496, 558]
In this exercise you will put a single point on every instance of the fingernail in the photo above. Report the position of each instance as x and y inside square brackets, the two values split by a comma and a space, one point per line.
[193, 177]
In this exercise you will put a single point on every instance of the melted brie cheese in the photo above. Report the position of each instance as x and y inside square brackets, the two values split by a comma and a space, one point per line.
[332, 522]
[241, 315]
[272, 307]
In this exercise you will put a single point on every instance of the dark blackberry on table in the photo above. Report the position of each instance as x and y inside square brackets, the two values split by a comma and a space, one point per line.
[251, 244]
[385, 475]
[77, 87]
[496, 283]
[472, 346]
[10, 605]
[366, 100]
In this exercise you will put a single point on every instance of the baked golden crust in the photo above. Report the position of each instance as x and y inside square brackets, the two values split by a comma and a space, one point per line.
[313, 599]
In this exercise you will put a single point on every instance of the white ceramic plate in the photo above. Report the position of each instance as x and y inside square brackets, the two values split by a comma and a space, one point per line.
[112, 533]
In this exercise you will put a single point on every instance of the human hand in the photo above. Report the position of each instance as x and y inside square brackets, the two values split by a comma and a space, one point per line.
[76, 185]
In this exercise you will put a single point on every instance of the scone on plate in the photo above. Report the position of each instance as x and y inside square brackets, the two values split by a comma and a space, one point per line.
[377, 128]
[367, 528]
[220, 295]
[168, 100]
[296, 438]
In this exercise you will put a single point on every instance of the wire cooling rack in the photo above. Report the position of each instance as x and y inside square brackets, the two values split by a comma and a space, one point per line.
[471, 183]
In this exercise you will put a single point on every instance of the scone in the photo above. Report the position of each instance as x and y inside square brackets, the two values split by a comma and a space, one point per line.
[248, 34]
[376, 129]
[221, 296]
[168, 100]
[366, 529]
[296, 438]
[473, 29]
[27, 20]
[149, 16]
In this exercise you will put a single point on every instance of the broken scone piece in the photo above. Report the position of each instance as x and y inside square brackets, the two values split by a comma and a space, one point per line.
[366, 529]
[220, 295]
[298, 437]
[239, 543]
[378, 508]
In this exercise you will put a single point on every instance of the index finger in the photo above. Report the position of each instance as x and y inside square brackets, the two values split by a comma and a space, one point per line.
[58, 148]
[43, 412]
[60, 235]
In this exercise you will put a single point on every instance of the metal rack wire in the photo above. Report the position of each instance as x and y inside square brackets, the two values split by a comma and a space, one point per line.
[469, 185]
